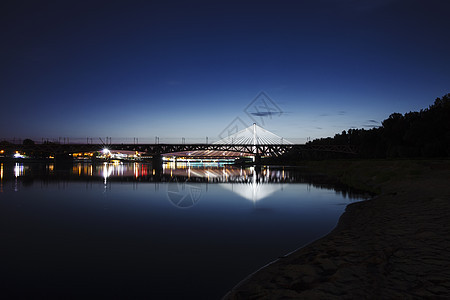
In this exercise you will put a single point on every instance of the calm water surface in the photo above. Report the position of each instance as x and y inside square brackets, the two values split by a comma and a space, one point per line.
[128, 231]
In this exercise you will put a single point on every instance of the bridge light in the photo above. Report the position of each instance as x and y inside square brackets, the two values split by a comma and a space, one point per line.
[105, 151]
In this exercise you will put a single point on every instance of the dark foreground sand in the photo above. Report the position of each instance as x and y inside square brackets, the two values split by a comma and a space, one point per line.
[394, 246]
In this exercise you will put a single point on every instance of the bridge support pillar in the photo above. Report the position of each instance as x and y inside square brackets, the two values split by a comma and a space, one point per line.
[63, 161]
[157, 173]
[157, 161]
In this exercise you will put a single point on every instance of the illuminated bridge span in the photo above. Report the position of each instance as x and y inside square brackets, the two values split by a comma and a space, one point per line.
[252, 141]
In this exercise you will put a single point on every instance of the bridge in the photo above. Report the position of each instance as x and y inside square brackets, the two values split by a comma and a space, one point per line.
[253, 141]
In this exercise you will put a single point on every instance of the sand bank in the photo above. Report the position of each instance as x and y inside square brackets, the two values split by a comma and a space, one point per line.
[396, 245]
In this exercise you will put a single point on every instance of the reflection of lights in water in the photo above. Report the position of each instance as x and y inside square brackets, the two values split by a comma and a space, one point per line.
[107, 171]
[136, 170]
[120, 169]
[254, 190]
[144, 170]
[81, 169]
[192, 172]
[226, 174]
[18, 170]
[111, 169]
[197, 174]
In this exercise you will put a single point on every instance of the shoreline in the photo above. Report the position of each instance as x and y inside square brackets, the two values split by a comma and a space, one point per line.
[394, 245]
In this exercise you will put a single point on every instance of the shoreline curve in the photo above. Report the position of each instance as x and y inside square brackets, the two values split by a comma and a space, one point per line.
[395, 245]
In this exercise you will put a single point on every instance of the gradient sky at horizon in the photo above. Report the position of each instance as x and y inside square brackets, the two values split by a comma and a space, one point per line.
[189, 68]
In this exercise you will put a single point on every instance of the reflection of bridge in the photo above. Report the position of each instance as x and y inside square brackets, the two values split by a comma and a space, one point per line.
[252, 141]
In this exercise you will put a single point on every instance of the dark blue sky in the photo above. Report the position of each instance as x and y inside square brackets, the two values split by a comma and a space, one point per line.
[188, 69]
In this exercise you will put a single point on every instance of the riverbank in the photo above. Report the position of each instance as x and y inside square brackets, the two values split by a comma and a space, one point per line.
[396, 245]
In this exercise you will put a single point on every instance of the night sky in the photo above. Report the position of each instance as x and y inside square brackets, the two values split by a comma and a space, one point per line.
[188, 69]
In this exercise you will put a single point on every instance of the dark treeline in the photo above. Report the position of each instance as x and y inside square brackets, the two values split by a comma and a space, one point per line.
[415, 134]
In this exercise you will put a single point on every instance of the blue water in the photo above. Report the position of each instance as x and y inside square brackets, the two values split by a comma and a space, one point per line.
[118, 231]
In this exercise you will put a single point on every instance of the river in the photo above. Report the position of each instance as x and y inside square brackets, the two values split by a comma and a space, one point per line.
[125, 230]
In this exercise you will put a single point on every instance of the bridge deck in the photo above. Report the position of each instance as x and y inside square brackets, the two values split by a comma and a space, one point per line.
[158, 149]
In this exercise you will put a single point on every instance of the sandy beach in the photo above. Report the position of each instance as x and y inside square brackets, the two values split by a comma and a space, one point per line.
[394, 246]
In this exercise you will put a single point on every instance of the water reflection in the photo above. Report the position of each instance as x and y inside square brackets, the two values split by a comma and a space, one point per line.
[254, 190]
[252, 183]
[18, 170]
[227, 173]
[115, 169]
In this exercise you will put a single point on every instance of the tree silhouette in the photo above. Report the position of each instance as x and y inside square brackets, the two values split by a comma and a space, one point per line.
[415, 134]
[28, 142]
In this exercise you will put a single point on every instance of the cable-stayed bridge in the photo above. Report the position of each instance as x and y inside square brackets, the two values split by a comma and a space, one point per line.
[252, 141]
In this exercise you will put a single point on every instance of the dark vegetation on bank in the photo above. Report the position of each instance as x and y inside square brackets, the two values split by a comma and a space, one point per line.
[379, 176]
[423, 134]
